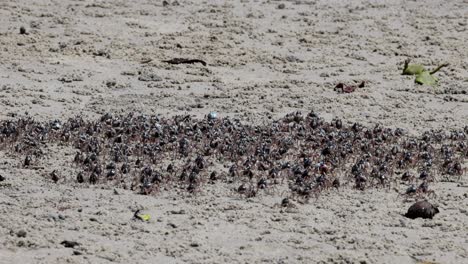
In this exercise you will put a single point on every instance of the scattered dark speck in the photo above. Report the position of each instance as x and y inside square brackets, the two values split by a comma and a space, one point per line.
[21, 233]
[177, 212]
[69, 244]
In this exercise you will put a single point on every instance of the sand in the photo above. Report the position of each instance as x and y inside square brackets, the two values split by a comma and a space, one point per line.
[265, 59]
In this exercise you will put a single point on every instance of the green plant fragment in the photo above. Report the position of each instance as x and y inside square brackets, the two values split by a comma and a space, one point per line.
[426, 78]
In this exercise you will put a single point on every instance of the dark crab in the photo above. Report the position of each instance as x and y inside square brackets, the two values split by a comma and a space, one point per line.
[305, 152]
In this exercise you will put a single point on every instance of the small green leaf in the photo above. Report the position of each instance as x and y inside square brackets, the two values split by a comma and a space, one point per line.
[413, 69]
[422, 75]
[426, 78]
[144, 217]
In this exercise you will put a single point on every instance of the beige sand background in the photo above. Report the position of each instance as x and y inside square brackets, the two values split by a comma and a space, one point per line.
[265, 59]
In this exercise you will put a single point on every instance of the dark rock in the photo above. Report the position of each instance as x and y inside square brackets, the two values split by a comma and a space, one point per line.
[69, 244]
[149, 77]
[21, 233]
[422, 209]
[54, 176]
[177, 212]
[68, 78]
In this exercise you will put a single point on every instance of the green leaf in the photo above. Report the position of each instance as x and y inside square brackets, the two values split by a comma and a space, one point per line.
[426, 78]
[413, 69]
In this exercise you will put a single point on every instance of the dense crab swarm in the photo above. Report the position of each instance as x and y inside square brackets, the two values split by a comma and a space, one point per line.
[147, 153]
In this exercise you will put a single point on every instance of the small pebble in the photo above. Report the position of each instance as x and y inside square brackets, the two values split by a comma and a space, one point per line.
[21, 233]
[69, 244]
[212, 115]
